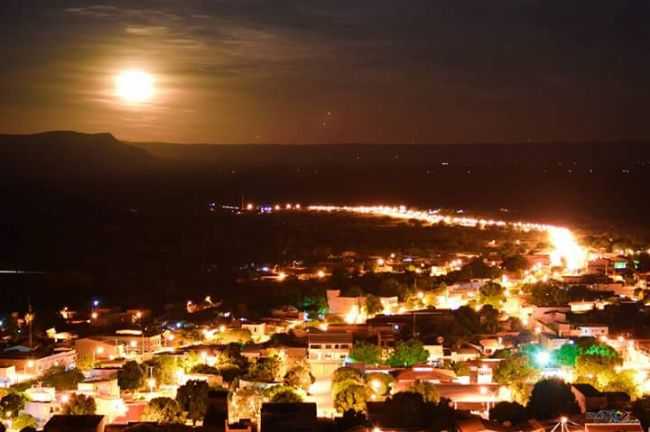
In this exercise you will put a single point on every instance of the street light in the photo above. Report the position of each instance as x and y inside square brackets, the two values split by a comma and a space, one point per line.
[542, 358]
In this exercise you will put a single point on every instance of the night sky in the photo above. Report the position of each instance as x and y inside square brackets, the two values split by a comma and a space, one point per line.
[321, 71]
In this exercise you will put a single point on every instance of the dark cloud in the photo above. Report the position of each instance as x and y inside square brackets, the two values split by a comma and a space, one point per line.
[389, 70]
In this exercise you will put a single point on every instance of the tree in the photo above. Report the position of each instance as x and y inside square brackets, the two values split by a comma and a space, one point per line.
[205, 369]
[352, 397]
[379, 383]
[428, 391]
[367, 353]
[567, 355]
[131, 376]
[515, 263]
[189, 360]
[79, 404]
[493, 294]
[408, 353]
[163, 410]
[389, 287]
[164, 368]
[315, 306]
[547, 294]
[284, 394]
[551, 398]
[514, 368]
[346, 376]
[510, 412]
[299, 376]
[265, 369]
[596, 364]
[373, 305]
[245, 403]
[11, 405]
[193, 399]
[62, 379]
[460, 368]
[24, 421]
[516, 372]
[489, 319]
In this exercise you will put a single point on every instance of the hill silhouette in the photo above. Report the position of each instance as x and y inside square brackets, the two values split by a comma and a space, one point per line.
[70, 154]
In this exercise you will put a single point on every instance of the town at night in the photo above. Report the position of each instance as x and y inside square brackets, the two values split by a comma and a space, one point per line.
[324, 216]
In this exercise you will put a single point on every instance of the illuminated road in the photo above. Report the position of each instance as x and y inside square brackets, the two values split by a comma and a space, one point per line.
[321, 393]
[566, 250]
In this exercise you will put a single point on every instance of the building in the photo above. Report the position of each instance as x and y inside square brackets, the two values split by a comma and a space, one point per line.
[123, 343]
[75, 423]
[7, 375]
[257, 330]
[349, 309]
[407, 377]
[30, 362]
[281, 417]
[588, 398]
[328, 351]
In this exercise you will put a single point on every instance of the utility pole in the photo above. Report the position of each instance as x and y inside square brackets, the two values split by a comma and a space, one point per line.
[29, 317]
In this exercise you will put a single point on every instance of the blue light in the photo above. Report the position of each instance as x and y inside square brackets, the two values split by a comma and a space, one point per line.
[95, 303]
[178, 325]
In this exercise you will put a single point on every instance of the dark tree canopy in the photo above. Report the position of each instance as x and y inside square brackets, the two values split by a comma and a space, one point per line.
[551, 398]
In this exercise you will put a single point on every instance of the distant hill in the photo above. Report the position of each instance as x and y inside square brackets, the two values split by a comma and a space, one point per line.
[626, 154]
[70, 154]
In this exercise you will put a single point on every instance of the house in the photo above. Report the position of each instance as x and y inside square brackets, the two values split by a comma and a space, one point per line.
[75, 423]
[257, 330]
[7, 375]
[407, 377]
[120, 344]
[328, 351]
[280, 417]
[349, 309]
[33, 361]
[588, 398]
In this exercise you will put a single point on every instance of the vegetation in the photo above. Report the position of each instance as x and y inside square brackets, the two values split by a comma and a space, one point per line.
[367, 353]
[299, 376]
[516, 372]
[62, 379]
[164, 368]
[373, 305]
[131, 376]
[163, 410]
[193, 399]
[11, 405]
[551, 398]
[427, 390]
[379, 383]
[509, 412]
[352, 397]
[408, 353]
[24, 421]
[245, 403]
[283, 394]
[79, 404]
[344, 377]
[493, 294]
[266, 369]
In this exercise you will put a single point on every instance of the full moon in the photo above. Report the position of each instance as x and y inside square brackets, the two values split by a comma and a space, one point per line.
[134, 86]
